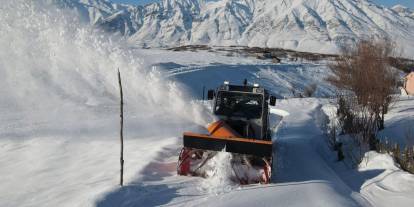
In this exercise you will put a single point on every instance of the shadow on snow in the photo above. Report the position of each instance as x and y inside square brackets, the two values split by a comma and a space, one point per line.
[148, 190]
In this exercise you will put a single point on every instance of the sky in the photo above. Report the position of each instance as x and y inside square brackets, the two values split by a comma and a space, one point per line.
[389, 3]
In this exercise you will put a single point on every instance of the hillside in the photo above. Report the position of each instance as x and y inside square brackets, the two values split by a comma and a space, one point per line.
[322, 26]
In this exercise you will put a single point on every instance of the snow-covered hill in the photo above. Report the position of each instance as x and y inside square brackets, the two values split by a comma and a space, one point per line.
[306, 25]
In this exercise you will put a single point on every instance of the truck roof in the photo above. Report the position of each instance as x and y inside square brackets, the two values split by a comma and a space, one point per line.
[242, 88]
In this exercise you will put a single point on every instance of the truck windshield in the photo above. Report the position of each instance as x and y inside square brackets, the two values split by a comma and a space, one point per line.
[237, 104]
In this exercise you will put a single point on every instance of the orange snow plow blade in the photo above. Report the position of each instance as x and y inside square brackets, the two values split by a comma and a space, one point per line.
[224, 138]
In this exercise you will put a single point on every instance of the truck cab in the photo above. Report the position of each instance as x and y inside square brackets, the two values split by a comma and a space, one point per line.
[244, 108]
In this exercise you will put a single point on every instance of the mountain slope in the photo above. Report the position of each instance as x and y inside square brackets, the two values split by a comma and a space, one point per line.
[306, 25]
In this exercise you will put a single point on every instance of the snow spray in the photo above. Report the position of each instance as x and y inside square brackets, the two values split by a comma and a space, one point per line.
[56, 68]
[218, 176]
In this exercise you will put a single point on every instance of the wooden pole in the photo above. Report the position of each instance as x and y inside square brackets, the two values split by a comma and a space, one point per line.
[122, 129]
[204, 88]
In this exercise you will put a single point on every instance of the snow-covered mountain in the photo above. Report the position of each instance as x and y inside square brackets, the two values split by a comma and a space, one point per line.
[305, 25]
[402, 10]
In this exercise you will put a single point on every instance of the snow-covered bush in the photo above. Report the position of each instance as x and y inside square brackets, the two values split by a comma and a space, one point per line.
[332, 129]
[345, 139]
[404, 157]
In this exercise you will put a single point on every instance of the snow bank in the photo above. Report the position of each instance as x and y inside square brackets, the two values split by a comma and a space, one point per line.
[378, 178]
[399, 122]
[375, 161]
[393, 187]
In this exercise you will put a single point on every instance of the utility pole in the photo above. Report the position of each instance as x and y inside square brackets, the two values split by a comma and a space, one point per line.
[121, 182]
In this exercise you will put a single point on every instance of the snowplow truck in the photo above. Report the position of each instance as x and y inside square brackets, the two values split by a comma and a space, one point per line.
[242, 129]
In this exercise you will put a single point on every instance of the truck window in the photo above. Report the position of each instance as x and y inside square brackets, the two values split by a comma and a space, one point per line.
[245, 105]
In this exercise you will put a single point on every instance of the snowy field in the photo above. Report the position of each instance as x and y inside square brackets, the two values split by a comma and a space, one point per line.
[59, 122]
[400, 122]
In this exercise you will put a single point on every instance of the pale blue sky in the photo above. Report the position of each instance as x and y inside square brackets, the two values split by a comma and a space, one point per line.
[408, 3]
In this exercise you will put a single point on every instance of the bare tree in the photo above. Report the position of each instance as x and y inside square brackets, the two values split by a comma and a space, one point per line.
[364, 74]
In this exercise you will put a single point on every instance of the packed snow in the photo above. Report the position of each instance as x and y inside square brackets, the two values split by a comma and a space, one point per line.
[59, 124]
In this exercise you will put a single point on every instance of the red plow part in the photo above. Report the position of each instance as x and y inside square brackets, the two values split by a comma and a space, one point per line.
[250, 156]
[246, 170]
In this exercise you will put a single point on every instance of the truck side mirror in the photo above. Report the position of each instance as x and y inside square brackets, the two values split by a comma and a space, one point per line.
[210, 94]
[272, 101]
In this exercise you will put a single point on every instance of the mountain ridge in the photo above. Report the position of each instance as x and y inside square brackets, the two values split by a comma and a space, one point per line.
[322, 26]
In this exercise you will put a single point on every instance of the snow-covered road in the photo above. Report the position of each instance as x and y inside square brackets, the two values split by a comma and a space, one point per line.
[303, 176]
[302, 165]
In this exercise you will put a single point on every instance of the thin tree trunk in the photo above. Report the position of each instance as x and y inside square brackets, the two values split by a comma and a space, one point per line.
[204, 88]
[121, 130]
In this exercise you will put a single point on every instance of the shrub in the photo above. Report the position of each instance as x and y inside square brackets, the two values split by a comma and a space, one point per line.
[404, 157]
[366, 82]
[310, 90]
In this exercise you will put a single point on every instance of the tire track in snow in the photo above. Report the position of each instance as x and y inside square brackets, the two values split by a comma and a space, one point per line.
[299, 160]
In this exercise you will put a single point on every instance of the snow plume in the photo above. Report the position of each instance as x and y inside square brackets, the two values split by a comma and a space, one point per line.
[218, 179]
[55, 69]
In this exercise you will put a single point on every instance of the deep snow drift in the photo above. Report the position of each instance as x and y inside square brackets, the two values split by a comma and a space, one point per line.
[60, 114]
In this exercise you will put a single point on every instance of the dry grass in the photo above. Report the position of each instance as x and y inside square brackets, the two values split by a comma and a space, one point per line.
[404, 157]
